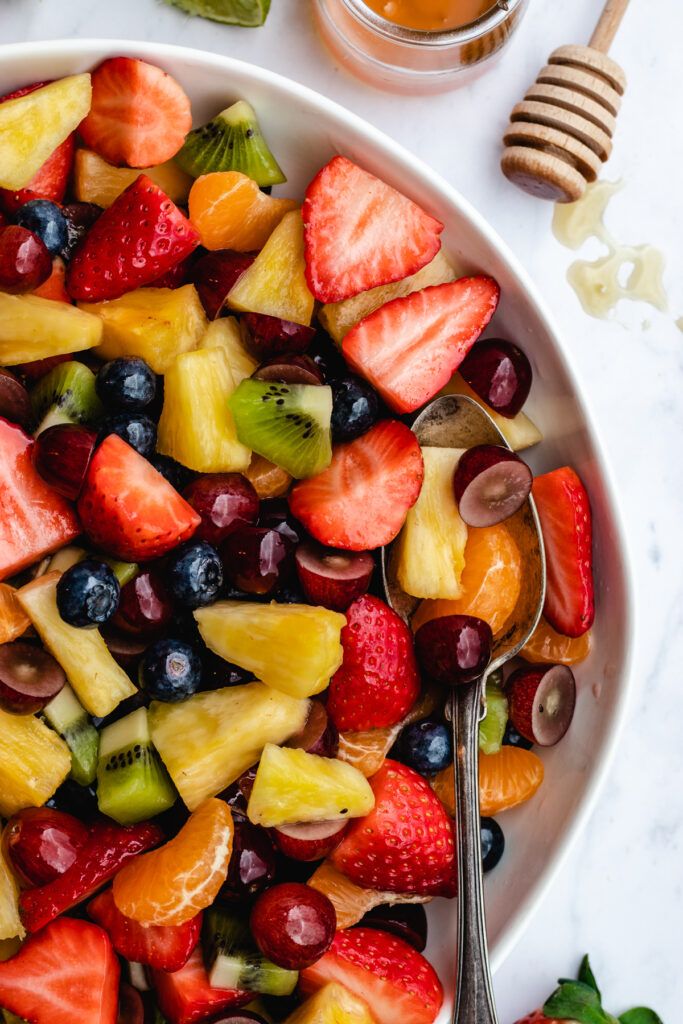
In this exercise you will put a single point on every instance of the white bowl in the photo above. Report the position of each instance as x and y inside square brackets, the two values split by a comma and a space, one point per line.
[305, 129]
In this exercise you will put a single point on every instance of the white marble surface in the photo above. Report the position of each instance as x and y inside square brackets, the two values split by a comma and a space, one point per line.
[620, 894]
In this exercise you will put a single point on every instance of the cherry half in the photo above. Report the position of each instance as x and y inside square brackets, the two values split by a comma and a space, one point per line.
[542, 701]
[25, 262]
[490, 484]
[500, 373]
[43, 843]
[293, 925]
[225, 502]
[454, 649]
[215, 274]
[62, 455]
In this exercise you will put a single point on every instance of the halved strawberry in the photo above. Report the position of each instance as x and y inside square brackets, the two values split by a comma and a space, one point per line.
[410, 347]
[141, 236]
[139, 115]
[361, 500]
[360, 232]
[166, 947]
[565, 513]
[68, 972]
[406, 843]
[186, 996]
[54, 288]
[128, 508]
[396, 981]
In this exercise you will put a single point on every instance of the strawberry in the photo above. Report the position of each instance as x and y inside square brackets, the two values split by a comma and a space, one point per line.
[538, 1017]
[359, 232]
[361, 500]
[186, 996]
[393, 978]
[378, 681]
[54, 288]
[405, 844]
[69, 972]
[139, 115]
[565, 514]
[140, 237]
[167, 947]
[410, 348]
[128, 508]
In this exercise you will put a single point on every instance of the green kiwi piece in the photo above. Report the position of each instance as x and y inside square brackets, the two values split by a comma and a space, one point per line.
[132, 783]
[65, 395]
[70, 720]
[233, 961]
[124, 571]
[232, 141]
[289, 424]
[10, 1018]
[248, 13]
[492, 727]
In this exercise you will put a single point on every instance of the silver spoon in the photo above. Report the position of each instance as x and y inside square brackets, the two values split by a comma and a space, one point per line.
[455, 421]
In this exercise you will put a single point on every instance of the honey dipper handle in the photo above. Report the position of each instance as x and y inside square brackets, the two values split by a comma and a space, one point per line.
[609, 22]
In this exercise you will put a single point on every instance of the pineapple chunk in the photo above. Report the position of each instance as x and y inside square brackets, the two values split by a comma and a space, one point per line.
[10, 922]
[519, 431]
[196, 425]
[34, 761]
[339, 317]
[292, 786]
[292, 647]
[32, 126]
[225, 333]
[332, 1004]
[275, 283]
[35, 328]
[430, 552]
[100, 683]
[210, 739]
[96, 181]
[157, 324]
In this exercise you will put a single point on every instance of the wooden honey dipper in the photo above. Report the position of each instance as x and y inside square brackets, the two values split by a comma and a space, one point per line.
[561, 132]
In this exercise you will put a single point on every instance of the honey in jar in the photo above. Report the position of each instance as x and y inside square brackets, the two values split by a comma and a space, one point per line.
[430, 15]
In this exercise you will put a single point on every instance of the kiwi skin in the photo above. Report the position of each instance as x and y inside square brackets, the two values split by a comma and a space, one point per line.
[231, 141]
[65, 395]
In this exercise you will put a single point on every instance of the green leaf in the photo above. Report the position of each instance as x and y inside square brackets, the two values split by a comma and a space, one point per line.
[492, 727]
[586, 975]
[576, 1001]
[249, 13]
[641, 1015]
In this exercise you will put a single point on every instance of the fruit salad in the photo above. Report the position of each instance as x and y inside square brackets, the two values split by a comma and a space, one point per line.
[226, 777]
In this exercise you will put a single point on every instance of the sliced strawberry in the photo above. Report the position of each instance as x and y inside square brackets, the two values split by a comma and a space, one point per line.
[186, 996]
[361, 500]
[54, 288]
[67, 973]
[538, 1017]
[360, 232]
[378, 681]
[410, 347]
[406, 843]
[140, 237]
[35, 519]
[396, 981]
[565, 513]
[166, 947]
[139, 115]
[129, 509]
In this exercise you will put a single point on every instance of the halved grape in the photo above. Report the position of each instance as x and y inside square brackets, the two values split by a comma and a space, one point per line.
[542, 701]
[333, 578]
[490, 484]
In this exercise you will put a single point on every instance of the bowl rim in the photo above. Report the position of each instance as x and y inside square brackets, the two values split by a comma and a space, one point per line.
[98, 49]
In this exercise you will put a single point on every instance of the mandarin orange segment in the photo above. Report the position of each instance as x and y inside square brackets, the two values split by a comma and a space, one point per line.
[491, 580]
[173, 883]
[13, 619]
[506, 779]
[231, 212]
[350, 901]
[552, 648]
[367, 750]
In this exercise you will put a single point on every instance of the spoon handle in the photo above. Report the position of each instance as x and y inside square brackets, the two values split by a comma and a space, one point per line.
[474, 1001]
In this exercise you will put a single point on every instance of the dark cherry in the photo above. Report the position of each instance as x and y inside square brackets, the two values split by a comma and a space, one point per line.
[25, 261]
[42, 843]
[131, 1007]
[492, 843]
[225, 502]
[293, 925]
[319, 735]
[406, 920]
[490, 484]
[215, 273]
[310, 841]
[333, 578]
[29, 678]
[145, 607]
[454, 649]
[542, 701]
[253, 862]
[15, 405]
[269, 336]
[257, 559]
[62, 455]
[500, 373]
[80, 217]
[289, 369]
[275, 513]
[237, 794]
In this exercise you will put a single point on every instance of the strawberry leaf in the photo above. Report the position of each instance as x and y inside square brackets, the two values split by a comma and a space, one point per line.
[586, 975]
[640, 1015]
[577, 1001]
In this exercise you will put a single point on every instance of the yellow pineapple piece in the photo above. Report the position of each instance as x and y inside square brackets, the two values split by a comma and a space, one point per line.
[32, 126]
[339, 317]
[519, 431]
[96, 181]
[207, 741]
[430, 553]
[10, 922]
[196, 425]
[34, 328]
[275, 283]
[350, 901]
[225, 334]
[156, 324]
[34, 761]
[100, 683]
[292, 647]
[293, 786]
[332, 1004]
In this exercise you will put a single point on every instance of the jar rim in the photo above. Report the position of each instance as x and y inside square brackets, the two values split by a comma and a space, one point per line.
[496, 15]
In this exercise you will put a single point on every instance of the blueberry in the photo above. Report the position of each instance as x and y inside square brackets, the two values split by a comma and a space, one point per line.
[327, 357]
[88, 593]
[195, 574]
[178, 476]
[355, 408]
[426, 746]
[513, 739]
[136, 429]
[492, 843]
[170, 670]
[126, 383]
[79, 217]
[46, 220]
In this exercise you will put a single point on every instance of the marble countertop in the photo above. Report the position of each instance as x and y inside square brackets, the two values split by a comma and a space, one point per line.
[620, 894]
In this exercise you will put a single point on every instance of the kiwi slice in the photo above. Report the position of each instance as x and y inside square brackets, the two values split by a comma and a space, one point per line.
[492, 727]
[248, 13]
[132, 783]
[65, 395]
[233, 961]
[124, 571]
[232, 141]
[70, 720]
[288, 424]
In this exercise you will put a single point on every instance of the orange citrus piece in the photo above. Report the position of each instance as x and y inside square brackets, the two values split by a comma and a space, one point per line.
[550, 647]
[172, 884]
[231, 212]
[268, 480]
[506, 779]
[350, 901]
[367, 750]
[13, 619]
[491, 580]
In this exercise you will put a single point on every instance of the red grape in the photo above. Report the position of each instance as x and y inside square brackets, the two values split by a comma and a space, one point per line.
[29, 678]
[15, 405]
[490, 484]
[319, 735]
[269, 336]
[225, 502]
[454, 649]
[62, 454]
[333, 579]
[290, 369]
[500, 373]
[42, 843]
[144, 605]
[310, 841]
[214, 274]
[257, 559]
[406, 920]
[542, 701]
[25, 261]
[293, 925]
[252, 862]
